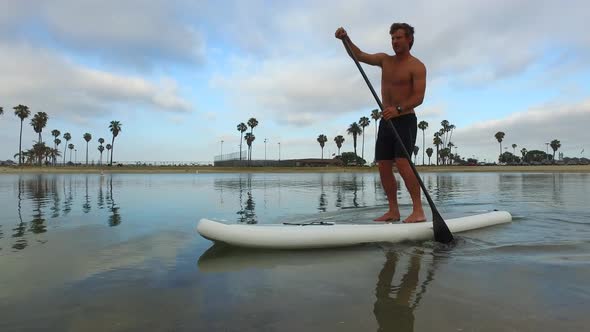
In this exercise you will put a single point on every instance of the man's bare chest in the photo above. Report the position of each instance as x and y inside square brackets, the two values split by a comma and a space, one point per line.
[396, 74]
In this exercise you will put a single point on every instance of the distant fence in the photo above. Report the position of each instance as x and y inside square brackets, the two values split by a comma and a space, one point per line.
[231, 156]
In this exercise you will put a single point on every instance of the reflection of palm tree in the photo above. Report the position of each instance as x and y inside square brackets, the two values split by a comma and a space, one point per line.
[55, 207]
[86, 205]
[20, 229]
[323, 201]
[247, 214]
[100, 199]
[115, 218]
[38, 188]
[68, 198]
[395, 312]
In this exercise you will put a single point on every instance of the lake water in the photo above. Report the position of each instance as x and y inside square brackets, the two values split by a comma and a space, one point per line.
[120, 252]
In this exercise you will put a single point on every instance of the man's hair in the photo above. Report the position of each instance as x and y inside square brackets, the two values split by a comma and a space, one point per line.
[408, 29]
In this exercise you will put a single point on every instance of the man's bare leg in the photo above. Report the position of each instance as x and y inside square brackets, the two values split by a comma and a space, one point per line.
[405, 170]
[390, 186]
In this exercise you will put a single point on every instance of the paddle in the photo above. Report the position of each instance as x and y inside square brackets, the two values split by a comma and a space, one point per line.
[441, 231]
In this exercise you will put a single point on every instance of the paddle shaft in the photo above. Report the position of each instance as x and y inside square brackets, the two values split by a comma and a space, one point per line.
[441, 230]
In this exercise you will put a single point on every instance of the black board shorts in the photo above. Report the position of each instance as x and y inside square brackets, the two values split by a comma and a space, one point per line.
[387, 146]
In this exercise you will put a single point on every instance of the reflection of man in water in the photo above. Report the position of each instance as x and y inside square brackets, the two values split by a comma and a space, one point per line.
[394, 312]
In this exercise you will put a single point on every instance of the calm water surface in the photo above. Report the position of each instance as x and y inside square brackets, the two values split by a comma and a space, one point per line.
[120, 253]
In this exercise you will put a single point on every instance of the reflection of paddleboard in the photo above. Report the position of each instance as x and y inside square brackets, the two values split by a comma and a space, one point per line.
[224, 258]
[327, 234]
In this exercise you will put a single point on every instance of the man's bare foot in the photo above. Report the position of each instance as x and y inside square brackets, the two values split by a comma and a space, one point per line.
[414, 218]
[389, 216]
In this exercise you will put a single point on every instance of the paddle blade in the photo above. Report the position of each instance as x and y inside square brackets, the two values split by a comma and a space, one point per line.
[442, 233]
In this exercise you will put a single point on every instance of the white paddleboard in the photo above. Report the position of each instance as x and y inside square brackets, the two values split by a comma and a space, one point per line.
[327, 235]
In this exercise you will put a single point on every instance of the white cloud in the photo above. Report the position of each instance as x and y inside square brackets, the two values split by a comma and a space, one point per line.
[529, 129]
[132, 33]
[46, 81]
[300, 92]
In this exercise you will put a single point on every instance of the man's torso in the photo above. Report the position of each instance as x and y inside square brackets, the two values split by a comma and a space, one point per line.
[397, 80]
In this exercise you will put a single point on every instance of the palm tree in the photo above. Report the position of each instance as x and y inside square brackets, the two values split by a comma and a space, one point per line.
[429, 154]
[249, 139]
[354, 130]
[87, 138]
[252, 122]
[67, 137]
[422, 126]
[39, 122]
[451, 128]
[450, 146]
[514, 149]
[1, 110]
[416, 149]
[524, 152]
[101, 142]
[437, 142]
[339, 140]
[363, 122]
[322, 139]
[241, 128]
[100, 149]
[71, 147]
[22, 112]
[500, 136]
[109, 147]
[115, 128]
[55, 133]
[56, 142]
[375, 115]
[444, 131]
[555, 145]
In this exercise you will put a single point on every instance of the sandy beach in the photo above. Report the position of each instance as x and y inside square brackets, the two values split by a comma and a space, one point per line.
[209, 169]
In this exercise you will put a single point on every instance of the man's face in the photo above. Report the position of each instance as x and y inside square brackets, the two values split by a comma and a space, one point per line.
[399, 41]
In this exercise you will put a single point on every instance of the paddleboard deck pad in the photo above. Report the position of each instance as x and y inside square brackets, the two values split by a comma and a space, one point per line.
[312, 235]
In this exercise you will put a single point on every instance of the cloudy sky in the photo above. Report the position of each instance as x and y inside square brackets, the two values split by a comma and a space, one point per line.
[180, 75]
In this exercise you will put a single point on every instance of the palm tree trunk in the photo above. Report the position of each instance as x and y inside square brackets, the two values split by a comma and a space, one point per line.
[86, 153]
[112, 149]
[241, 146]
[20, 141]
[363, 149]
[65, 152]
[423, 139]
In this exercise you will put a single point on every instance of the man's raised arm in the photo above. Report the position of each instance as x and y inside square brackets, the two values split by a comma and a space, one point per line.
[371, 59]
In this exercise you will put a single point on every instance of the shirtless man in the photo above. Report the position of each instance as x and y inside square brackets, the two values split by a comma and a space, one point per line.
[403, 83]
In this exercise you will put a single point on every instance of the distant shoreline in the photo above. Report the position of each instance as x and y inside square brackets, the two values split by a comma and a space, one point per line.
[210, 169]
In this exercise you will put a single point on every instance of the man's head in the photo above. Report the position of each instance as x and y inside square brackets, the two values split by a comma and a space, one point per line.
[402, 36]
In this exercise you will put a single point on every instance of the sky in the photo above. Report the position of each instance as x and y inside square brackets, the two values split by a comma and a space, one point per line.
[180, 75]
